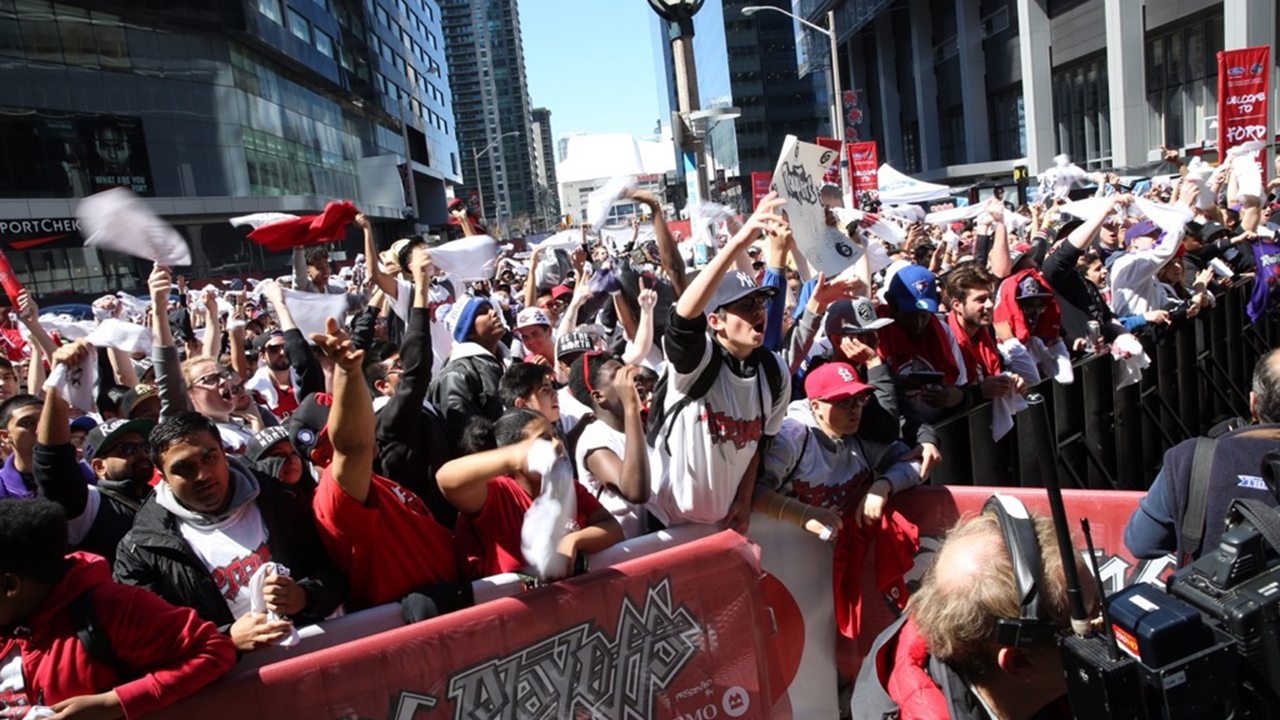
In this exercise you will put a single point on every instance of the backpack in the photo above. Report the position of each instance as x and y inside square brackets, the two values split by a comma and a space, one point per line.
[660, 418]
[93, 637]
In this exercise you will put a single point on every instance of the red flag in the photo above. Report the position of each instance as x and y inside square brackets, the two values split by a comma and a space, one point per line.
[1243, 80]
[12, 287]
[307, 230]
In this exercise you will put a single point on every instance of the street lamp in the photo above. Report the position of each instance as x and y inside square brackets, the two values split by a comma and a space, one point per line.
[837, 103]
[679, 16]
[475, 161]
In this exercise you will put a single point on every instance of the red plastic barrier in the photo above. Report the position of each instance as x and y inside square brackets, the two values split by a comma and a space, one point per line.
[679, 634]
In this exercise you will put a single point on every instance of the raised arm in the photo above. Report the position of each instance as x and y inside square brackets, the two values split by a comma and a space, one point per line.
[212, 326]
[465, 480]
[1084, 235]
[643, 340]
[668, 253]
[693, 302]
[310, 373]
[173, 387]
[530, 280]
[351, 417]
[239, 362]
[29, 315]
[628, 475]
[998, 261]
[372, 264]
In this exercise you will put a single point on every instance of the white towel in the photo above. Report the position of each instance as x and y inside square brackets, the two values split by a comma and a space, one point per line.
[1052, 359]
[116, 219]
[121, 335]
[887, 231]
[599, 202]
[1127, 351]
[564, 240]
[1248, 175]
[1198, 174]
[471, 258]
[547, 520]
[705, 219]
[311, 310]
[258, 603]
[257, 220]
[1172, 219]
[75, 385]
[1019, 360]
[1003, 408]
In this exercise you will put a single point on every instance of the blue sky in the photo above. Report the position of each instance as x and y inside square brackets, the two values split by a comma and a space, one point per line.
[591, 62]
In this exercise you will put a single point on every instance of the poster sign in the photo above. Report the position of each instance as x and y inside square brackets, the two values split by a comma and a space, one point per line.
[759, 187]
[863, 164]
[73, 155]
[852, 115]
[1243, 81]
[797, 178]
[833, 175]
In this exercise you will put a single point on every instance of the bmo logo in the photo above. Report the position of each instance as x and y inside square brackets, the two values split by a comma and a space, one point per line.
[735, 702]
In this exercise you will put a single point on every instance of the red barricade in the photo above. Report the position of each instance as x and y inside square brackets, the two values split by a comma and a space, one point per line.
[679, 634]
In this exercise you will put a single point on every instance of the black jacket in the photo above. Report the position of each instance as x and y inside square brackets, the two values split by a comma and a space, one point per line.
[412, 440]
[59, 478]
[154, 555]
[466, 388]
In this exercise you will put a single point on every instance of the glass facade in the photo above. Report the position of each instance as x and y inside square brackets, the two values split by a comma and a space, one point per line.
[1182, 81]
[1082, 112]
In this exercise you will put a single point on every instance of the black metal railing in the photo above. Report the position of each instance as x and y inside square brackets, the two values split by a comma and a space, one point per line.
[1108, 438]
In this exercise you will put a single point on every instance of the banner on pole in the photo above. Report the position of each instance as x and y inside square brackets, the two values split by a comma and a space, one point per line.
[1244, 79]
[863, 164]
[759, 187]
[833, 174]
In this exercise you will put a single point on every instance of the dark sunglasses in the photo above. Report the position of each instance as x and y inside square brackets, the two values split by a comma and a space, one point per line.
[129, 449]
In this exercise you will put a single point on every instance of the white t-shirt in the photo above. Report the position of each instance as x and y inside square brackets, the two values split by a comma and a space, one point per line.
[571, 411]
[232, 551]
[13, 698]
[235, 437]
[599, 436]
[437, 297]
[711, 441]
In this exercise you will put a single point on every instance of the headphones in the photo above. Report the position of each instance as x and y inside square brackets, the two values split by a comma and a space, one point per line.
[1019, 532]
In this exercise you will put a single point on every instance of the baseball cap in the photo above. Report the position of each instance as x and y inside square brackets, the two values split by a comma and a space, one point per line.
[833, 382]
[913, 288]
[735, 286]
[262, 443]
[560, 291]
[84, 423]
[133, 398]
[531, 316]
[260, 342]
[308, 426]
[107, 434]
[1030, 287]
[575, 342]
[852, 317]
[1018, 252]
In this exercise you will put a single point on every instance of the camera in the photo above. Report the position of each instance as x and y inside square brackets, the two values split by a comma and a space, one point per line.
[1207, 647]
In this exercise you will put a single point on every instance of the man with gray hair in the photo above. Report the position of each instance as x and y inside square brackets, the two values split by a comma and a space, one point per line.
[1184, 509]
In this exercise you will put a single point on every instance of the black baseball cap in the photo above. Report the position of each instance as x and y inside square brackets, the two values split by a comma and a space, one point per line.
[105, 436]
[262, 443]
[852, 317]
[308, 426]
[735, 286]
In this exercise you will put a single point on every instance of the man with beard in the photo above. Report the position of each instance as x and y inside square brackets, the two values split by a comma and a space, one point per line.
[969, 291]
[117, 450]
[273, 379]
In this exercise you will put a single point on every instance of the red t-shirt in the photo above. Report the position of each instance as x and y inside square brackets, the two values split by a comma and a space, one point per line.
[387, 547]
[496, 530]
[286, 402]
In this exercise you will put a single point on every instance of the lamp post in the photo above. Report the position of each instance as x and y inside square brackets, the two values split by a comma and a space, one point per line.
[475, 161]
[679, 16]
[837, 102]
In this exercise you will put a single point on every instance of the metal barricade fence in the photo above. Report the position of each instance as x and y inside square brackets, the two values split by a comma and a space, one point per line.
[1108, 438]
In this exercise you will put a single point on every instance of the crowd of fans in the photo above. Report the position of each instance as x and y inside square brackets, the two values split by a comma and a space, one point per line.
[242, 479]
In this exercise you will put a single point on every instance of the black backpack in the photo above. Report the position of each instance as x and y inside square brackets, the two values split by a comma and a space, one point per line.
[660, 418]
[93, 637]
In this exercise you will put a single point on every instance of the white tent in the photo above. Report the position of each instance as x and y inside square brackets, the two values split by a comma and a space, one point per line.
[898, 188]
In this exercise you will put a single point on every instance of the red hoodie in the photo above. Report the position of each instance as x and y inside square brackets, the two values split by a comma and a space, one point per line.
[173, 652]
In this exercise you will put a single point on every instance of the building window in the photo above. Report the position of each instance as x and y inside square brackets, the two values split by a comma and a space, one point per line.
[299, 26]
[1182, 82]
[1009, 124]
[324, 44]
[270, 8]
[1082, 113]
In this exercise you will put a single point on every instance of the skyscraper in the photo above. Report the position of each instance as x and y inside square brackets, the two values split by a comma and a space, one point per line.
[491, 102]
[545, 156]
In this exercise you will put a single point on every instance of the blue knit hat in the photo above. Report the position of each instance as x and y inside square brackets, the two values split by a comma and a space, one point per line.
[467, 318]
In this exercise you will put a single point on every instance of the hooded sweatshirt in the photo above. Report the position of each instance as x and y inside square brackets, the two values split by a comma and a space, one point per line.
[232, 544]
[169, 652]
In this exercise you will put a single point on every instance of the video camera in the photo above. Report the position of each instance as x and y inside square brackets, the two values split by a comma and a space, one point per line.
[1207, 647]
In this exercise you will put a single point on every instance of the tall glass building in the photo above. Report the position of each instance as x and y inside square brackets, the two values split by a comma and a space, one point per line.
[214, 109]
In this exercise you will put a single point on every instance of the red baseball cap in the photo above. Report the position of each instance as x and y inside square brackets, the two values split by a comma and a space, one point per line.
[833, 382]
[560, 291]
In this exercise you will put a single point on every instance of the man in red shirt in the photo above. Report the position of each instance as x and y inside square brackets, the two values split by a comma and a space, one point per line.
[379, 533]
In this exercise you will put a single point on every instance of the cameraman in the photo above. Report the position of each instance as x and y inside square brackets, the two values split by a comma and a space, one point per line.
[1234, 464]
[941, 660]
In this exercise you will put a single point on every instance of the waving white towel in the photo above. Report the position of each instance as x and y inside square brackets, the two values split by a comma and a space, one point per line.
[547, 520]
[116, 219]
[258, 603]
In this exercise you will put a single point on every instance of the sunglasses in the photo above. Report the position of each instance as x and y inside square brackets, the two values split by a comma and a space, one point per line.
[853, 403]
[274, 349]
[212, 379]
[747, 305]
[129, 449]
